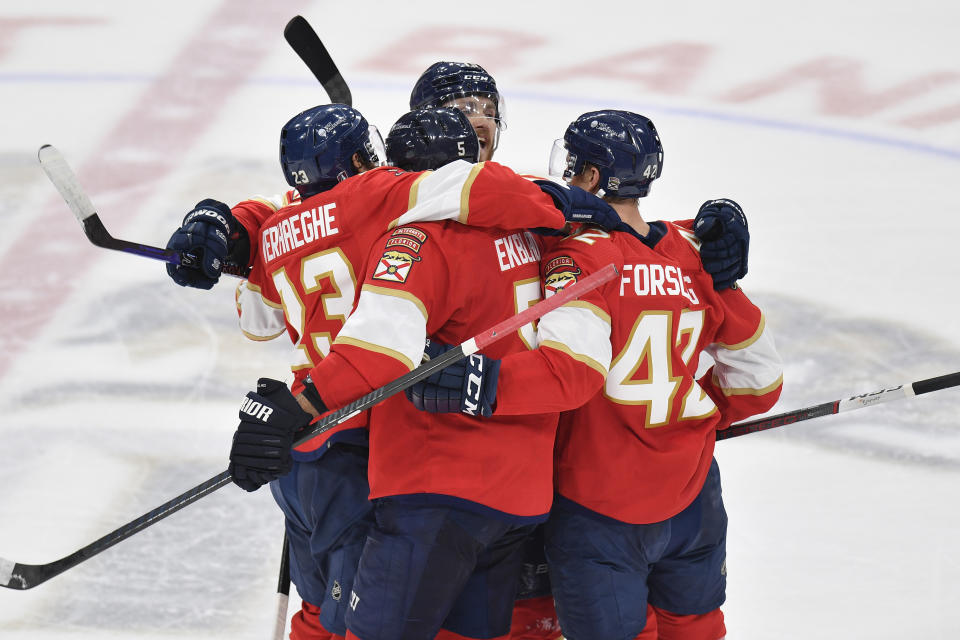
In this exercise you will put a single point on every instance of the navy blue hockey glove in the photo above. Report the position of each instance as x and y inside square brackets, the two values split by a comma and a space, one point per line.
[724, 241]
[468, 386]
[203, 239]
[579, 205]
[269, 421]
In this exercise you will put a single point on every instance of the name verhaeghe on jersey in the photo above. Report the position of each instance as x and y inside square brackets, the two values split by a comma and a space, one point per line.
[298, 229]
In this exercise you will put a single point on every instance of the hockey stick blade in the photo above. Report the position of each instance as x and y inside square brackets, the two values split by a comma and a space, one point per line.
[900, 392]
[65, 180]
[306, 43]
[20, 576]
[15, 575]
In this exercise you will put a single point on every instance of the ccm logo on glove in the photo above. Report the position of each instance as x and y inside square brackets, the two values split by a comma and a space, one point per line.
[471, 401]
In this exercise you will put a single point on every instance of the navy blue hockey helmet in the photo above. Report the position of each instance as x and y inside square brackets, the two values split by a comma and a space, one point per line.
[444, 82]
[317, 147]
[430, 138]
[624, 146]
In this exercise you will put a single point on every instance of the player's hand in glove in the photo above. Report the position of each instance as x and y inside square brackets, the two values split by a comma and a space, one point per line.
[724, 241]
[468, 386]
[203, 239]
[579, 205]
[269, 421]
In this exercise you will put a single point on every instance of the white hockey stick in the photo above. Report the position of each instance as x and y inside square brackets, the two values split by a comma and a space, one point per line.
[65, 180]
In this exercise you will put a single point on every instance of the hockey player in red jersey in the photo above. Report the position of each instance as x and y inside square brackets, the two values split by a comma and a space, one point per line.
[306, 261]
[453, 504]
[325, 528]
[470, 88]
[639, 516]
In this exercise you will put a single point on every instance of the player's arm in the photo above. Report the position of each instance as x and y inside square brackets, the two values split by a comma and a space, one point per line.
[384, 336]
[259, 308]
[573, 351]
[747, 376]
[486, 194]
[216, 235]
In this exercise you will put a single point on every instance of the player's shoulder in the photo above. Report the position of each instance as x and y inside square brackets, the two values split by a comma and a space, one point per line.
[590, 239]
[680, 243]
[584, 249]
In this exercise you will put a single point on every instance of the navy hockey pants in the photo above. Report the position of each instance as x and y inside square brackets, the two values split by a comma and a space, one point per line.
[603, 571]
[328, 517]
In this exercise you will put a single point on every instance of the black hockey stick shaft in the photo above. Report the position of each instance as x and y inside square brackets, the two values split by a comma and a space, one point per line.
[907, 390]
[283, 590]
[65, 180]
[15, 575]
[307, 44]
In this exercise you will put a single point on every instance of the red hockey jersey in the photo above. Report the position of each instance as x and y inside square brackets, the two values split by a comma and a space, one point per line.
[450, 282]
[639, 450]
[309, 257]
[259, 319]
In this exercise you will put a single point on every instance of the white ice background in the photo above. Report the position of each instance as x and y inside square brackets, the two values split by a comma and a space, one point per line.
[836, 125]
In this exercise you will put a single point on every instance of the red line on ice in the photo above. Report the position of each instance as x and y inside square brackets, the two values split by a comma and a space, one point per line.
[39, 271]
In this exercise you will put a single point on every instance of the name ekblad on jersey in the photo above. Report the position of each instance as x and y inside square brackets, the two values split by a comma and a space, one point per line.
[516, 249]
[297, 230]
[656, 280]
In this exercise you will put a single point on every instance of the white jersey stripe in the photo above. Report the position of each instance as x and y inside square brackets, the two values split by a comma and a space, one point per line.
[754, 369]
[583, 329]
[439, 194]
[260, 319]
[390, 322]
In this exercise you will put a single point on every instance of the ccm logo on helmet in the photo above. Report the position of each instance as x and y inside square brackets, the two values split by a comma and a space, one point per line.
[471, 77]
[256, 409]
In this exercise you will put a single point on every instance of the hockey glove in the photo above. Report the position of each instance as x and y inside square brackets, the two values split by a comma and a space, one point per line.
[724, 241]
[468, 386]
[269, 421]
[203, 239]
[579, 205]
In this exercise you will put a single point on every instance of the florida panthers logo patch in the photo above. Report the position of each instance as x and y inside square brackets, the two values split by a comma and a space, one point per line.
[561, 272]
[394, 266]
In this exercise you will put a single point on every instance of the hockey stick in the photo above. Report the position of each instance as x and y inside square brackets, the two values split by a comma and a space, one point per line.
[306, 43]
[65, 180]
[16, 575]
[283, 591]
[907, 390]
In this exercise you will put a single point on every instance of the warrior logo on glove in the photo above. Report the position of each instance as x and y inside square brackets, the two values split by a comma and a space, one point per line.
[256, 409]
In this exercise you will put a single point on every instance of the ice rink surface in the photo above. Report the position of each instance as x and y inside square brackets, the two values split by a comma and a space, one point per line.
[835, 125]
